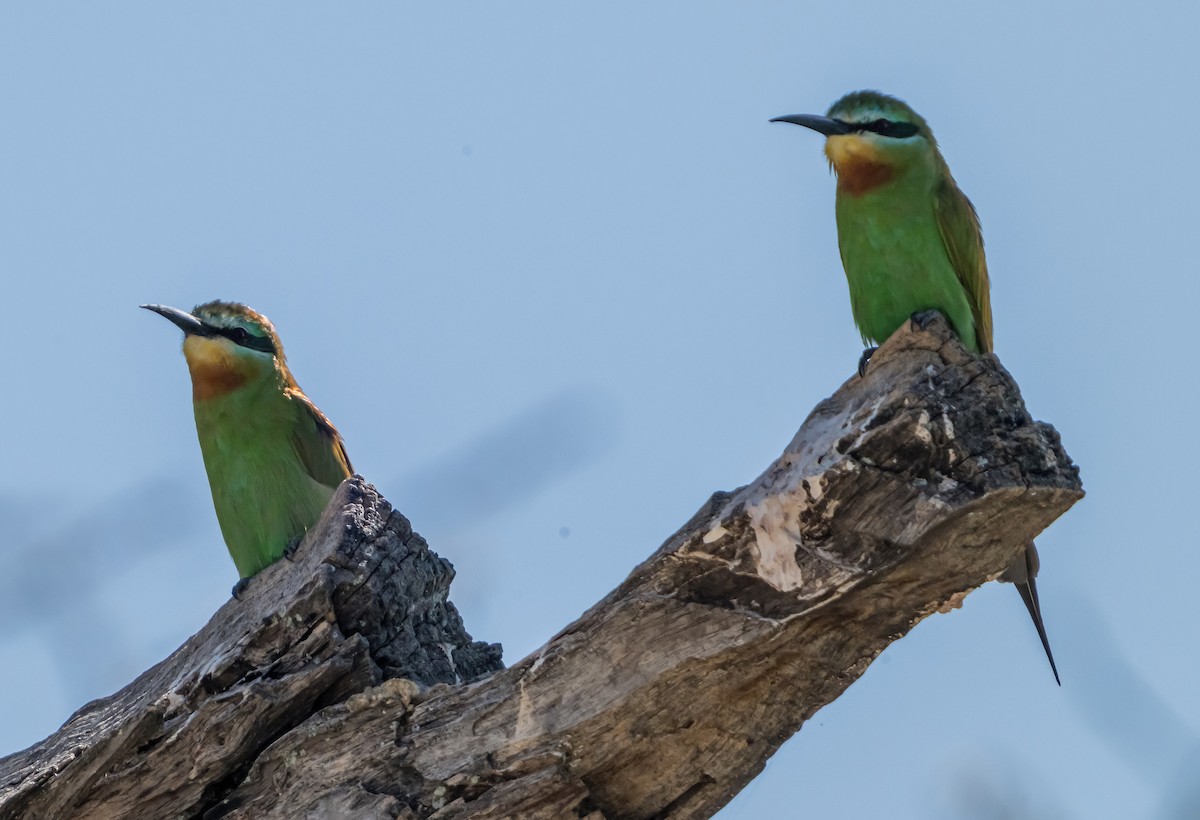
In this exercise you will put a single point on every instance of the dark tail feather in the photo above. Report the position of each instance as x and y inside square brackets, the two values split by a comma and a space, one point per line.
[1030, 597]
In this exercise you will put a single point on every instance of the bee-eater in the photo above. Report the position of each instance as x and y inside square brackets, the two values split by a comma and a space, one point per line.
[910, 241]
[273, 459]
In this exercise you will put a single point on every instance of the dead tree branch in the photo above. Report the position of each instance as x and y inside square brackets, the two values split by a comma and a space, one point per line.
[344, 685]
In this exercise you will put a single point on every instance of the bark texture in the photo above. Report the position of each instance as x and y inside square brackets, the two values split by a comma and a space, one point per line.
[345, 685]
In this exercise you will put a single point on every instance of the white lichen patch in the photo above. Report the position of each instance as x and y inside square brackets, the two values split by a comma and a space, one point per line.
[793, 487]
[788, 499]
[947, 426]
[921, 431]
[528, 724]
[538, 661]
[864, 424]
[774, 509]
[172, 704]
[814, 489]
[774, 519]
[449, 648]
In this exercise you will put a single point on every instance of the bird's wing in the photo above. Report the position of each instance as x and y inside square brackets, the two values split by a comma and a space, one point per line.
[318, 443]
[959, 226]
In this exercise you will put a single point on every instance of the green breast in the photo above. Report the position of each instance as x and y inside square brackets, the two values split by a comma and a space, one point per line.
[264, 498]
[896, 263]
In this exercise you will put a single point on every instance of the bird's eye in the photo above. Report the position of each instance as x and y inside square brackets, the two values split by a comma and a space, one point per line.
[239, 335]
[881, 125]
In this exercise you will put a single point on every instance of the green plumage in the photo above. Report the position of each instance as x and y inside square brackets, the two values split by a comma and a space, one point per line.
[910, 241]
[897, 263]
[273, 459]
[272, 468]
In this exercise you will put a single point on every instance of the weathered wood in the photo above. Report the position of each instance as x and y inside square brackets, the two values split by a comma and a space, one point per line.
[899, 494]
[364, 600]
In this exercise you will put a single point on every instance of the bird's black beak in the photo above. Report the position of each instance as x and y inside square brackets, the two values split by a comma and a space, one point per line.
[186, 322]
[822, 125]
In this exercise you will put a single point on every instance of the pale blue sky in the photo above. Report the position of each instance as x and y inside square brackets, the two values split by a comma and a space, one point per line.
[556, 279]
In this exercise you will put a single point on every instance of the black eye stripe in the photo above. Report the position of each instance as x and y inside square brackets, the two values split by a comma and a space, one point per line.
[241, 336]
[887, 128]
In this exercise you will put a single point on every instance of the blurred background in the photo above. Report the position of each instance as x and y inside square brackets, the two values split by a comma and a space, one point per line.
[556, 279]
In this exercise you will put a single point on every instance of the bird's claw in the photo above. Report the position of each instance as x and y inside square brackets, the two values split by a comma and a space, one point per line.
[289, 552]
[240, 587]
[863, 360]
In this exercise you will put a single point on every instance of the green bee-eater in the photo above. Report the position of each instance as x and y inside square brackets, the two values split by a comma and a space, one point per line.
[273, 459]
[910, 241]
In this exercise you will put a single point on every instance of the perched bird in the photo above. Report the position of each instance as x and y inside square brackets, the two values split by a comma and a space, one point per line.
[910, 241]
[273, 459]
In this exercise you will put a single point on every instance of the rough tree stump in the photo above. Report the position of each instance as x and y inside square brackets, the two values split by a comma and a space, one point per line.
[344, 685]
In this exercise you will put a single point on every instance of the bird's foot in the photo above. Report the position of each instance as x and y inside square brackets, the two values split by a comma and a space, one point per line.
[864, 359]
[240, 588]
[289, 552]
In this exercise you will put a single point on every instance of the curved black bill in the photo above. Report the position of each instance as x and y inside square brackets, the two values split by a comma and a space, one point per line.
[186, 322]
[822, 125]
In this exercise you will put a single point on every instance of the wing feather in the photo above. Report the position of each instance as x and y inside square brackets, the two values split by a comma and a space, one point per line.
[318, 443]
[959, 226]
